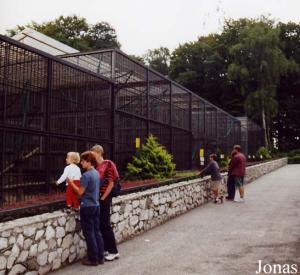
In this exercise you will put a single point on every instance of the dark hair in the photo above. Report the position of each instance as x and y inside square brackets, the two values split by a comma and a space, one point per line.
[234, 152]
[89, 156]
[213, 156]
[237, 147]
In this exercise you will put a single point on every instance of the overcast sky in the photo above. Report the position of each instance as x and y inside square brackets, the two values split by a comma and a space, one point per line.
[148, 24]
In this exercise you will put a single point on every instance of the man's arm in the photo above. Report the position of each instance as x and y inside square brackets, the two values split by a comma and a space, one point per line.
[109, 173]
[206, 170]
[234, 163]
[78, 189]
[108, 190]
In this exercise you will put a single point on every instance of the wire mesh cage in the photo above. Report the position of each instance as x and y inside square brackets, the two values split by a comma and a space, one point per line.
[51, 105]
[48, 107]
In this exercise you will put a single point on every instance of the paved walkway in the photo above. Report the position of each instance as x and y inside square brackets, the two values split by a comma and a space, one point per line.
[219, 239]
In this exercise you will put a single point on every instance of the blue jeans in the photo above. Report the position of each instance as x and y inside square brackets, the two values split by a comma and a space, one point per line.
[230, 187]
[89, 217]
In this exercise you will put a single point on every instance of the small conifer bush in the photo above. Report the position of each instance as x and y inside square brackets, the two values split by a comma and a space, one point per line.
[263, 153]
[151, 161]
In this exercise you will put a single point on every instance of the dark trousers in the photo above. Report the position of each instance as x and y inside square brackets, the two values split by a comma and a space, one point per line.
[105, 227]
[230, 187]
[89, 218]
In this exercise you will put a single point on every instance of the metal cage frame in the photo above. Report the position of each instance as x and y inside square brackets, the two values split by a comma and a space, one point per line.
[51, 105]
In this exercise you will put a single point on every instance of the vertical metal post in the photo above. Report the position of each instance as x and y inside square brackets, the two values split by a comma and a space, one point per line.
[113, 105]
[217, 129]
[191, 132]
[2, 168]
[148, 102]
[4, 131]
[205, 132]
[113, 64]
[47, 121]
[112, 123]
[171, 120]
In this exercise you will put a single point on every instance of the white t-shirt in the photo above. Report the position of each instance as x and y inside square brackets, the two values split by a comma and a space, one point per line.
[71, 171]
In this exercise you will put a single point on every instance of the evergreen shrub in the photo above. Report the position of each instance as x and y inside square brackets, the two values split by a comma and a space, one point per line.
[151, 161]
[263, 153]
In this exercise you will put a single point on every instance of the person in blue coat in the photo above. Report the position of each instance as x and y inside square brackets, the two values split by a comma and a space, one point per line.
[213, 169]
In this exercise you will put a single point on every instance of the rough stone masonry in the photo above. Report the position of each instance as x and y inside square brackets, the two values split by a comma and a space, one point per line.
[39, 244]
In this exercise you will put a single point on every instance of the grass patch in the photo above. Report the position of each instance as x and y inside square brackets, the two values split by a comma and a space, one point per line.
[188, 173]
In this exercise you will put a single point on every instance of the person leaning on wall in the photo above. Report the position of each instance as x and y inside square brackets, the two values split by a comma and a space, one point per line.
[89, 209]
[213, 169]
[108, 173]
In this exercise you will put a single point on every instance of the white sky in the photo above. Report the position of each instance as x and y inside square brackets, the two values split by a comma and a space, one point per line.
[148, 24]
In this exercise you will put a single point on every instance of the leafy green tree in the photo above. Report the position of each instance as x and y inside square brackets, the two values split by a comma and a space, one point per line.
[158, 59]
[102, 35]
[151, 161]
[257, 66]
[201, 66]
[76, 32]
[286, 126]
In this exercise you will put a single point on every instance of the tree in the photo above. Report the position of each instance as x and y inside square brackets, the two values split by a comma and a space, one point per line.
[76, 32]
[158, 59]
[286, 126]
[257, 66]
[201, 66]
[151, 161]
[101, 36]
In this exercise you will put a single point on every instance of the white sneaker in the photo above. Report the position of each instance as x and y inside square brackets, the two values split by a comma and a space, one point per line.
[111, 256]
[105, 253]
[239, 200]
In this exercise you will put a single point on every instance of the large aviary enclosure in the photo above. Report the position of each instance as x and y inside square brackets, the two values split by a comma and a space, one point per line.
[51, 105]
[147, 102]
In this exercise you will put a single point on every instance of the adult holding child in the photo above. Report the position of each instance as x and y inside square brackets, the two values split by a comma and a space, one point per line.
[108, 174]
[89, 209]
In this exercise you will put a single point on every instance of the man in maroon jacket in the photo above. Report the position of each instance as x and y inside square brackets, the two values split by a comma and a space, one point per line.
[238, 169]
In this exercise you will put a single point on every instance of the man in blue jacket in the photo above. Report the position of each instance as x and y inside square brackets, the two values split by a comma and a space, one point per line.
[216, 179]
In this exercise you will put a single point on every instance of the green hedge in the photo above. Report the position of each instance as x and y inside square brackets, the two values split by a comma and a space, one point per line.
[294, 159]
[294, 153]
[294, 156]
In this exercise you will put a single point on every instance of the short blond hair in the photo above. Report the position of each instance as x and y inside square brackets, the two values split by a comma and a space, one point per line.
[74, 157]
[98, 149]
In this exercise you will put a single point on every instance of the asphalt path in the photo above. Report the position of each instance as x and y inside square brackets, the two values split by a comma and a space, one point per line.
[219, 239]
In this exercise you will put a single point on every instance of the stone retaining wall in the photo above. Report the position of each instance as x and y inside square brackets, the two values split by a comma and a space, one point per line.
[39, 244]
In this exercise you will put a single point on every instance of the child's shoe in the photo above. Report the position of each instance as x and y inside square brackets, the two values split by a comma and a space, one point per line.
[67, 210]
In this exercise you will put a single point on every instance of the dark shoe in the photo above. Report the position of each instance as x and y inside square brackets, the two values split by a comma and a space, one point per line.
[67, 210]
[221, 199]
[101, 261]
[88, 262]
